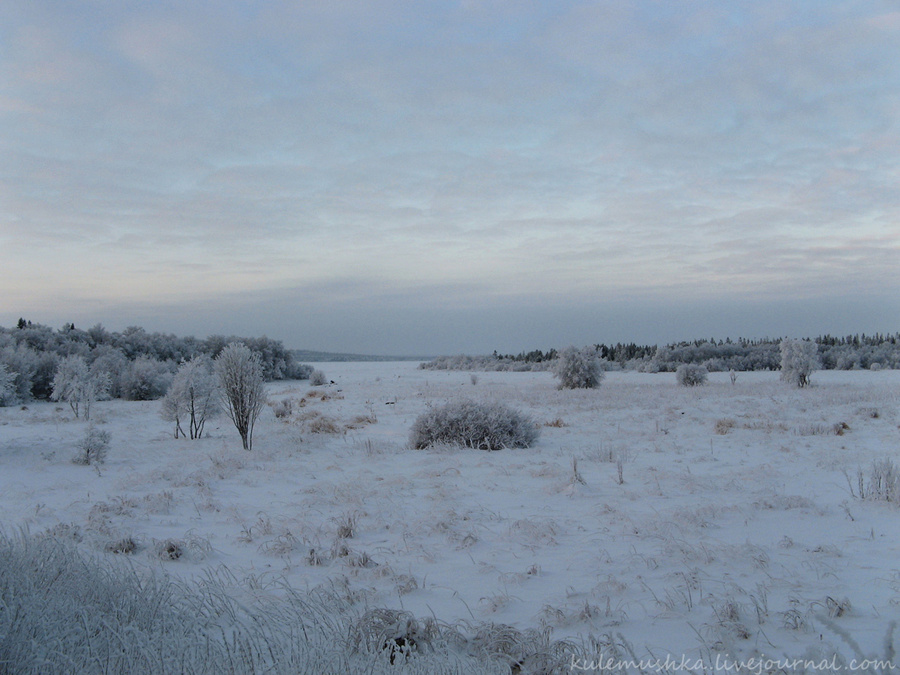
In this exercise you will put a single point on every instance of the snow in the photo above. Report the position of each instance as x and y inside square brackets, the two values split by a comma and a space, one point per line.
[736, 540]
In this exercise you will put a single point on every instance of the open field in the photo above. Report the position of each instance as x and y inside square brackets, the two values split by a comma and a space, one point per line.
[685, 521]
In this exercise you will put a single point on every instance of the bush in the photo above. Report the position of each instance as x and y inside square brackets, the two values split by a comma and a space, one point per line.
[317, 378]
[283, 408]
[147, 380]
[299, 371]
[691, 375]
[578, 368]
[92, 447]
[484, 426]
[799, 359]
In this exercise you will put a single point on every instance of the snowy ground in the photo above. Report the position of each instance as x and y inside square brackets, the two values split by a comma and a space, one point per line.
[735, 525]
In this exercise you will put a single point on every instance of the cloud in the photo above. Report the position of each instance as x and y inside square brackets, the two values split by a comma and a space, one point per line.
[477, 155]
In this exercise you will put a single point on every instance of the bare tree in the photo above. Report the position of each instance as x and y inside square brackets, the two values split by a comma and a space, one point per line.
[174, 408]
[240, 376]
[192, 396]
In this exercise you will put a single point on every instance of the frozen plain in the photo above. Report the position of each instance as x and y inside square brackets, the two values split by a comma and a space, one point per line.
[737, 523]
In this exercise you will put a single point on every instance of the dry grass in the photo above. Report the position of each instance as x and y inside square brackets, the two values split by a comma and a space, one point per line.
[360, 421]
[317, 423]
[724, 425]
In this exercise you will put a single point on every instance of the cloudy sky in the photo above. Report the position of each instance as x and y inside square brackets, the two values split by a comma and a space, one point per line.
[442, 177]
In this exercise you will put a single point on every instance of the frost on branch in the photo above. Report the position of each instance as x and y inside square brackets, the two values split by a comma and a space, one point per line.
[240, 375]
[193, 397]
[78, 386]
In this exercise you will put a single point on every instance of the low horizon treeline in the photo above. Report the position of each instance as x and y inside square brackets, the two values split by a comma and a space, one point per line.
[140, 365]
[851, 352]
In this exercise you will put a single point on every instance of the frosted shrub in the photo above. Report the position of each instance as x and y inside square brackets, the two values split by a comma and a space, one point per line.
[92, 448]
[691, 375]
[146, 380]
[283, 408]
[578, 368]
[484, 426]
[799, 359]
[78, 386]
[317, 378]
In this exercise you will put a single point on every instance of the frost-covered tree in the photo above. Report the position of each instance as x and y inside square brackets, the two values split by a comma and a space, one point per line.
[799, 359]
[115, 364]
[75, 384]
[691, 375]
[243, 394]
[193, 396]
[34, 370]
[20, 361]
[578, 368]
[147, 379]
[174, 409]
[7, 386]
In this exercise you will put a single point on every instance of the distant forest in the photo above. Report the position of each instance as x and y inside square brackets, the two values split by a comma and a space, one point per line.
[852, 352]
[140, 365]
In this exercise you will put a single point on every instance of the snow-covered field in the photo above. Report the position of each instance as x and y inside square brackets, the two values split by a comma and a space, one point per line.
[682, 520]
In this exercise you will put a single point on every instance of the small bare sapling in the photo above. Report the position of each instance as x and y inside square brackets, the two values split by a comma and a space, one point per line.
[92, 447]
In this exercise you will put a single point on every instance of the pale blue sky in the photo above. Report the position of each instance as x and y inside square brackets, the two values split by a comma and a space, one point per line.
[442, 177]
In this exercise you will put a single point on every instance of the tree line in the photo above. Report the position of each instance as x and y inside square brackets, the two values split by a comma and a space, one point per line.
[137, 364]
[851, 352]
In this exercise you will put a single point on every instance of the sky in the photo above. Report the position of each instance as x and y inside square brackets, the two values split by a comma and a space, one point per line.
[428, 177]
